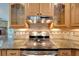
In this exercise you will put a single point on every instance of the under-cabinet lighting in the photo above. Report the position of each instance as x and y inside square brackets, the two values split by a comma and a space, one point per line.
[44, 44]
[30, 21]
[55, 3]
[48, 21]
[55, 29]
[43, 33]
[34, 21]
[34, 44]
[21, 29]
[51, 25]
[74, 30]
[34, 33]
[43, 21]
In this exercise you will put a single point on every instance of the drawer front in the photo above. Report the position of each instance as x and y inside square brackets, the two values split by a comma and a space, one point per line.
[13, 52]
[64, 53]
[3, 52]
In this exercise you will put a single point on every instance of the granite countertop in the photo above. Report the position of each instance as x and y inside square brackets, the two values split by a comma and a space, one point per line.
[29, 49]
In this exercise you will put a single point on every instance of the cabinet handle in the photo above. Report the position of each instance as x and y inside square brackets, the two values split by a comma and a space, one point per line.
[37, 13]
[13, 53]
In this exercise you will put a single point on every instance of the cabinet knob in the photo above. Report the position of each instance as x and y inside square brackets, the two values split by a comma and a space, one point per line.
[40, 13]
[37, 13]
[12, 53]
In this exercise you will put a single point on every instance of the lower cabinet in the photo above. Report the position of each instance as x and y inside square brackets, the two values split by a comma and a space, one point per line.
[77, 53]
[73, 52]
[64, 53]
[4, 52]
[0, 52]
[13, 52]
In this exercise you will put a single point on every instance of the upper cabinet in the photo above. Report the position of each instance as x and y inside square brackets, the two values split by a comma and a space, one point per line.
[62, 15]
[66, 15]
[46, 9]
[39, 9]
[75, 14]
[32, 9]
[17, 15]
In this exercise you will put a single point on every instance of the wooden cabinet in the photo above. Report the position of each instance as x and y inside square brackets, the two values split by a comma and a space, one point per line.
[19, 12]
[17, 15]
[13, 52]
[0, 52]
[69, 17]
[66, 15]
[64, 52]
[73, 52]
[46, 9]
[4, 52]
[33, 9]
[62, 15]
[39, 9]
[76, 52]
[75, 14]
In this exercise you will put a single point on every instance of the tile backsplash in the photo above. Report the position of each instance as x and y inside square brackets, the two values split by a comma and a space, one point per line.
[60, 38]
[68, 38]
[65, 38]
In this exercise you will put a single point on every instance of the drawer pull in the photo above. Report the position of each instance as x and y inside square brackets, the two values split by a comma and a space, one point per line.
[12, 53]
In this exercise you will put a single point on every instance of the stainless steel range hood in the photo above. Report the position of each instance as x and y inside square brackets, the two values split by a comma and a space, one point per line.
[39, 22]
[39, 19]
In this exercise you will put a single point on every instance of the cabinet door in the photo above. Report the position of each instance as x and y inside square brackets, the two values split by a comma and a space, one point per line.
[17, 14]
[77, 53]
[13, 52]
[0, 52]
[73, 52]
[46, 9]
[64, 52]
[32, 9]
[4, 52]
[62, 15]
[75, 14]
